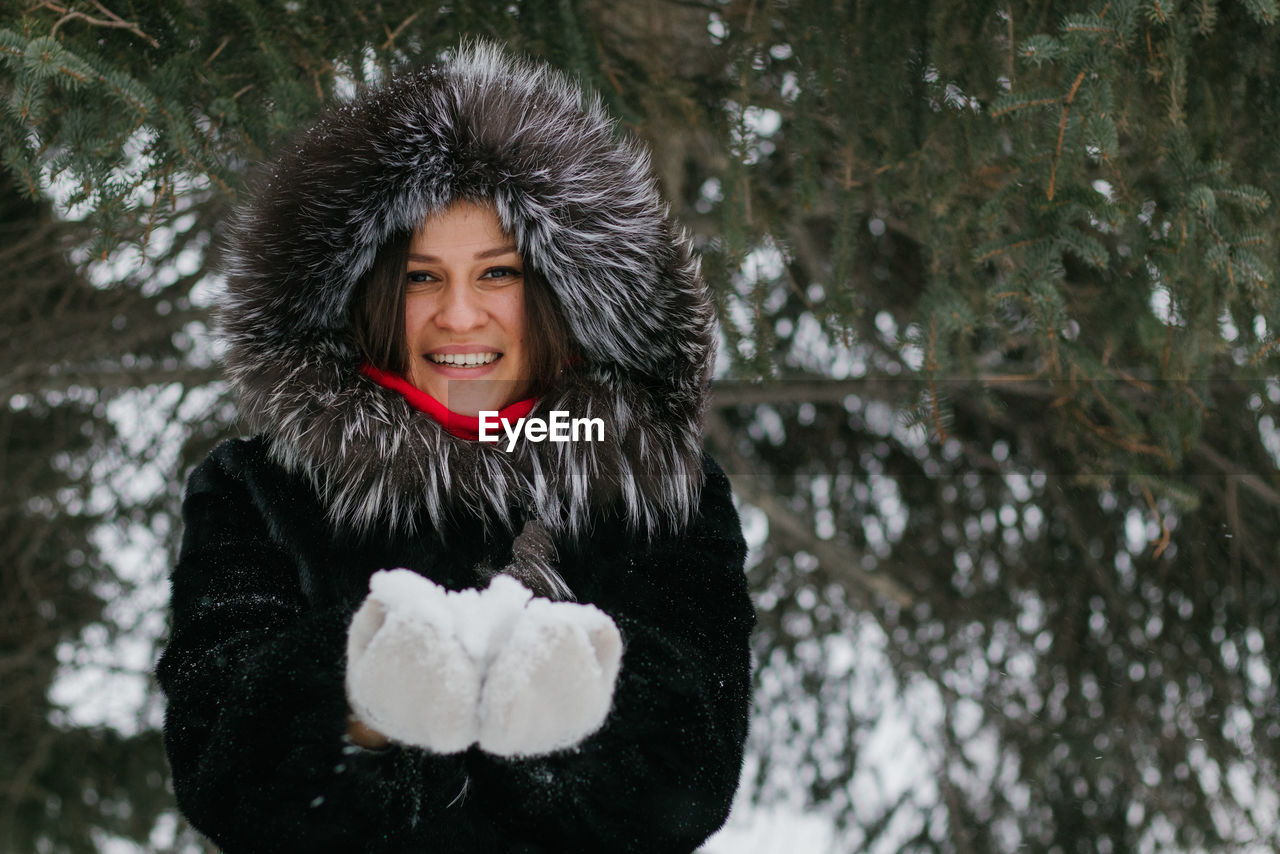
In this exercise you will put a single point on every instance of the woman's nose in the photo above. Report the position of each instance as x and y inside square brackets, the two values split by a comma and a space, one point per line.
[459, 309]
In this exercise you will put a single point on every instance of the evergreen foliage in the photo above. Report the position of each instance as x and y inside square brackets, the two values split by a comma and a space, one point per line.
[1000, 313]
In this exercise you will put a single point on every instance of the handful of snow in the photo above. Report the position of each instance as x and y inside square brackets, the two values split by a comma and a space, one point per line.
[444, 670]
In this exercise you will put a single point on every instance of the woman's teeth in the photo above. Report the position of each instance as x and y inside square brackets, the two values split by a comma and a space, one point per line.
[463, 359]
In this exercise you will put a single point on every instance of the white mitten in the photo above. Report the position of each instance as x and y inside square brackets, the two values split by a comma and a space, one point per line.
[483, 619]
[409, 675]
[551, 683]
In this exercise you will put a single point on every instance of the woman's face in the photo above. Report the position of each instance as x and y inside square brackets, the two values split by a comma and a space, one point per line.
[464, 310]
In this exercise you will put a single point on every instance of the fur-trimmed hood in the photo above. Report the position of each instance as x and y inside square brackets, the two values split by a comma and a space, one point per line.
[583, 207]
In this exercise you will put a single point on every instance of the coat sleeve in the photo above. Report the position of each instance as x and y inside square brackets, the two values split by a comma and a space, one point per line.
[661, 773]
[257, 710]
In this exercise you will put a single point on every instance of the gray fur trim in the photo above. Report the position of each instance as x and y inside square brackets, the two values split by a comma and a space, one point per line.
[584, 209]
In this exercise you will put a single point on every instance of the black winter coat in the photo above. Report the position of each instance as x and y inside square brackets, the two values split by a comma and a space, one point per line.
[344, 478]
[262, 596]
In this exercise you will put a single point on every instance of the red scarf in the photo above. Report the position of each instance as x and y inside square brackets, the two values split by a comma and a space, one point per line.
[462, 426]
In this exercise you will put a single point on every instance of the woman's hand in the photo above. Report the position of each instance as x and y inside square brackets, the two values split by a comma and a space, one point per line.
[551, 684]
[362, 735]
[443, 670]
[408, 675]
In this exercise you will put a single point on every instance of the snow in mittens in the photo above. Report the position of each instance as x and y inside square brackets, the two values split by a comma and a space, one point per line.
[481, 619]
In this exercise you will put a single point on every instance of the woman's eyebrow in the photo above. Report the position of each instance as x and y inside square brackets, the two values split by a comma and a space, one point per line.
[487, 253]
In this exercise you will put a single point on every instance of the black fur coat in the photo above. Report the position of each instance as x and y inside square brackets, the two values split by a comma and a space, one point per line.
[282, 531]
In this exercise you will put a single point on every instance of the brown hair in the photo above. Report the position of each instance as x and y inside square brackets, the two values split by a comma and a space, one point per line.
[378, 320]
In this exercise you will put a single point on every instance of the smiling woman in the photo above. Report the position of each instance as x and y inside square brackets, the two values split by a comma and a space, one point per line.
[479, 331]
[464, 312]
[390, 636]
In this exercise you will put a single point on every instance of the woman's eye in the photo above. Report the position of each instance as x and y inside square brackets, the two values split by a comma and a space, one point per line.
[500, 273]
[420, 277]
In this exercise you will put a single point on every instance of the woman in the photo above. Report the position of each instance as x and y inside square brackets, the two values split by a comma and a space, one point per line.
[391, 636]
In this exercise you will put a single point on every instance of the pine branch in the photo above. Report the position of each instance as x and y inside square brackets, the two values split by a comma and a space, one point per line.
[840, 564]
[1062, 130]
[1250, 481]
[107, 378]
[115, 22]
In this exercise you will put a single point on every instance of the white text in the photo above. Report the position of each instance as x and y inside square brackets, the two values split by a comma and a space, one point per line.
[558, 428]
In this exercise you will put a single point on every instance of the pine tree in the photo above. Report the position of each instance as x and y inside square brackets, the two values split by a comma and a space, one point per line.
[997, 283]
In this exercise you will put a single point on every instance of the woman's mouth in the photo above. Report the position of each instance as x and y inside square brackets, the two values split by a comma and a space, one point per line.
[463, 360]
